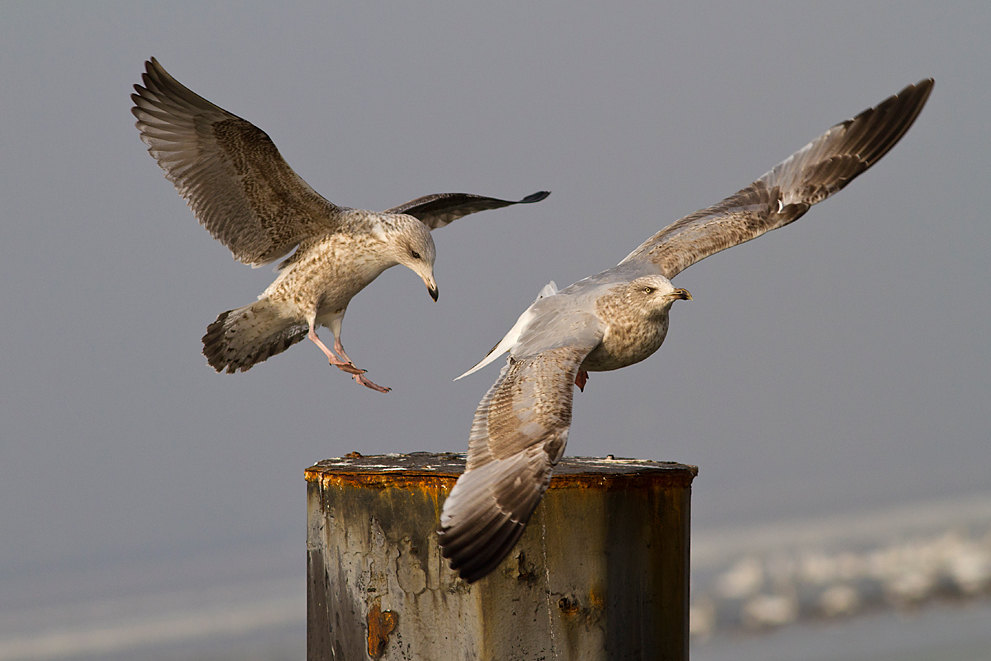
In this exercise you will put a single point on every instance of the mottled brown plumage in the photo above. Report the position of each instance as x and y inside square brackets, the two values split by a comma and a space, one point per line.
[620, 317]
[246, 195]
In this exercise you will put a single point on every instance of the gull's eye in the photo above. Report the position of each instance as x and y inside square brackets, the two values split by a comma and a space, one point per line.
[648, 290]
[415, 254]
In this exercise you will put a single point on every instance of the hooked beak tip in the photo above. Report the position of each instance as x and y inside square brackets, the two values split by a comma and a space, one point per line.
[433, 293]
[685, 295]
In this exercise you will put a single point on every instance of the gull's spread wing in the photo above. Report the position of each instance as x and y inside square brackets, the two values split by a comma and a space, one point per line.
[443, 209]
[781, 196]
[228, 170]
[518, 434]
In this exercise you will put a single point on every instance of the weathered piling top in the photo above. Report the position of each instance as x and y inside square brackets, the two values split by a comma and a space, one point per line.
[445, 468]
[600, 574]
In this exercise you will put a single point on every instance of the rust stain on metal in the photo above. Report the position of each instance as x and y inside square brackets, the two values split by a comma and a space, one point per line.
[385, 480]
[380, 625]
[596, 601]
[608, 482]
[569, 605]
[587, 613]
[525, 571]
[679, 476]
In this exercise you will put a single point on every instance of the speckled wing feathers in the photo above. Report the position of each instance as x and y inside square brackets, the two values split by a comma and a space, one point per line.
[518, 434]
[228, 170]
[442, 209]
[781, 196]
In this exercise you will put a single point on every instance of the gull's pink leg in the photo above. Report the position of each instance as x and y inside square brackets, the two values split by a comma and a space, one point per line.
[347, 366]
[359, 377]
[339, 348]
[581, 379]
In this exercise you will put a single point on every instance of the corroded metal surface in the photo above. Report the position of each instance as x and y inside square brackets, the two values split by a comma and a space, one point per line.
[380, 625]
[600, 573]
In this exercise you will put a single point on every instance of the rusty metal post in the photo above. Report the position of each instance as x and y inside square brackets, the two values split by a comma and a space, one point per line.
[600, 573]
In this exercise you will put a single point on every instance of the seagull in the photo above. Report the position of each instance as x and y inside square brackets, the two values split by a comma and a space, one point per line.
[620, 317]
[243, 192]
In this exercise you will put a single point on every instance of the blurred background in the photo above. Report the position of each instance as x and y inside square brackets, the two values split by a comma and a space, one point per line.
[832, 380]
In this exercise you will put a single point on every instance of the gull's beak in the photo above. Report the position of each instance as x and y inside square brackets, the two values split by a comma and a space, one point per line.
[683, 294]
[432, 288]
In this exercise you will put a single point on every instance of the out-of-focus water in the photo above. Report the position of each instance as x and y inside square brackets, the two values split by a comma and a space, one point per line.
[912, 583]
[939, 632]
[845, 566]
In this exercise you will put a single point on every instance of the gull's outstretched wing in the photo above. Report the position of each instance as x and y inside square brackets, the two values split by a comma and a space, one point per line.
[443, 209]
[781, 196]
[228, 170]
[518, 434]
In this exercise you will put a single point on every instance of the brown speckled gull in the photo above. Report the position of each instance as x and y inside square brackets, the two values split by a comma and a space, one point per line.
[245, 194]
[620, 317]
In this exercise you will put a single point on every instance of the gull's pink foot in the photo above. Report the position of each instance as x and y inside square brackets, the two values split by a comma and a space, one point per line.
[348, 367]
[339, 348]
[360, 378]
[345, 365]
[581, 379]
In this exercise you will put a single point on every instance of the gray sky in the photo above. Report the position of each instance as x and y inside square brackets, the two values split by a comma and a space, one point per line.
[840, 363]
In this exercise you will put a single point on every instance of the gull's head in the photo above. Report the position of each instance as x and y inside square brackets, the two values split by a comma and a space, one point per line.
[654, 294]
[414, 248]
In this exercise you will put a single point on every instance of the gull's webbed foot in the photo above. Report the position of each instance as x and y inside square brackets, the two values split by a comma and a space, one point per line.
[350, 368]
[360, 378]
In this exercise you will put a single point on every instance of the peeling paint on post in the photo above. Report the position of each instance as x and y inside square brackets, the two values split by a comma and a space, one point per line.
[600, 573]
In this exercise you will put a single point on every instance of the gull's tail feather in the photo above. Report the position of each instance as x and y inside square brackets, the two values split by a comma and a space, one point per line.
[240, 338]
[514, 333]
